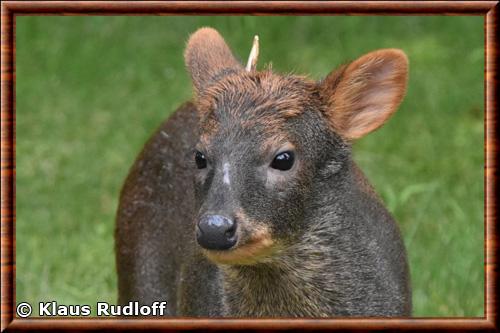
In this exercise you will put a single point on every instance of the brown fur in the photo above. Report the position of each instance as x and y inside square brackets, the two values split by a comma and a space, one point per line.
[207, 56]
[210, 127]
[267, 90]
[365, 93]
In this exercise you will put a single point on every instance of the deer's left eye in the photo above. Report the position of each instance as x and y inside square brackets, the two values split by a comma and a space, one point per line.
[200, 159]
[283, 161]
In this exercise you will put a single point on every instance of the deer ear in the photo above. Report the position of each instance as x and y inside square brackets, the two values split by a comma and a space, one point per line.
[365, 93]
[207, 57]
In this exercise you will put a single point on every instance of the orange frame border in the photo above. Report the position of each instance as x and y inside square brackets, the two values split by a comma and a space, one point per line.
[11, 9]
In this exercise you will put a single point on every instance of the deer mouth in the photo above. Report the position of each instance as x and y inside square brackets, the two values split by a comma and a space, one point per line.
[257, 249]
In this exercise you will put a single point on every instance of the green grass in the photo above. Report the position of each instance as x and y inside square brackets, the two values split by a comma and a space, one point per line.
[90, 90]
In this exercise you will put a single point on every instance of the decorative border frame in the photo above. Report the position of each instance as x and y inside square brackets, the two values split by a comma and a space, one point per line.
[11, 9]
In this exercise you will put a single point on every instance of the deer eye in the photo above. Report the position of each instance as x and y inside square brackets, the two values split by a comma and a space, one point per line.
[283, 161]
[201, 161]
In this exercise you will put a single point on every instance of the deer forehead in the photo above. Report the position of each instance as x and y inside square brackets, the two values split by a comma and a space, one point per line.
[256, 97]
[239, 137]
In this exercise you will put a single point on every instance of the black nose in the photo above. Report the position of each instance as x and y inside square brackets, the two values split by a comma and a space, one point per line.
[216, 232]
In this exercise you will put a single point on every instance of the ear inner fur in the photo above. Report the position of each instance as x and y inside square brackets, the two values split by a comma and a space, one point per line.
[365, 93]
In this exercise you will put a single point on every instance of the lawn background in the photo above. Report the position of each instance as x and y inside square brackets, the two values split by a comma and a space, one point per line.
[91, 90]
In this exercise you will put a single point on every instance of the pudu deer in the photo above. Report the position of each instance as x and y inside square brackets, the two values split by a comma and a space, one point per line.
[246, 202]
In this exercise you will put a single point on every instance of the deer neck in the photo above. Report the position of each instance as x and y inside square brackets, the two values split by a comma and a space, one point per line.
[294, 283]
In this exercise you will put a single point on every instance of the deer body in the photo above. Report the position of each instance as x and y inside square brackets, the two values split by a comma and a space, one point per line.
[271, 218]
